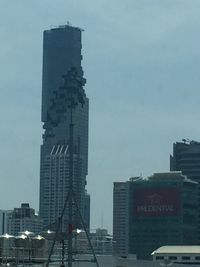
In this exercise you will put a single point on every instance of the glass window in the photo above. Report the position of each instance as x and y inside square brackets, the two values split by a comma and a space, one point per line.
[172, 258]
[159, 257]
[185, 258]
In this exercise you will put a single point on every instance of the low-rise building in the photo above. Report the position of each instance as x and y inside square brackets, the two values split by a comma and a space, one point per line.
[168, 255]
[101, 241]
[22, 219]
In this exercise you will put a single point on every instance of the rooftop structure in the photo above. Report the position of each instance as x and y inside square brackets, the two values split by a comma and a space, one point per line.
[167, 255]
[186, 158]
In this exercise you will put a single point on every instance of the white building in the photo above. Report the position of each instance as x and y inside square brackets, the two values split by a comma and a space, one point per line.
[22, 219]
[167, 255]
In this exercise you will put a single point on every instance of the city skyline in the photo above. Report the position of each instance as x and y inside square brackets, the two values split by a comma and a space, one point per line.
[141, 60]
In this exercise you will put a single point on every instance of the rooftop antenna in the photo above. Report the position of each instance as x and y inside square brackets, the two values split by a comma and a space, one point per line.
[101, 220]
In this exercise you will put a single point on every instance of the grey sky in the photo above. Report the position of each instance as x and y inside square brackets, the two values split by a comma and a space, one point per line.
[141, 59]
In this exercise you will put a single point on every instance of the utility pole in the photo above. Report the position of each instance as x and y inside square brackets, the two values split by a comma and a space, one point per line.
[74, 95]
[71, 175]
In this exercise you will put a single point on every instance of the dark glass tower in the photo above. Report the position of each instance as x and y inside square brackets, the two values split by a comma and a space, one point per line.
[61, 52]
[186, 158]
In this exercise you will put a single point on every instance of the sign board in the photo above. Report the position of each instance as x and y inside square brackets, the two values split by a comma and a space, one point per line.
[156, 201]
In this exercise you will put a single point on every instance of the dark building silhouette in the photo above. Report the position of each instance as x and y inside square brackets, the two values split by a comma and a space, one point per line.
[154, 212]
[61, 53]
[4, 216]
[186, 158]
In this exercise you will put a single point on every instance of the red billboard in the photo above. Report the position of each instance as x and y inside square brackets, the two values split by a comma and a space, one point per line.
[156, 202]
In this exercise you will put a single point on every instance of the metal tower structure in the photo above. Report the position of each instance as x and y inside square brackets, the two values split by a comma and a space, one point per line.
[73, 95]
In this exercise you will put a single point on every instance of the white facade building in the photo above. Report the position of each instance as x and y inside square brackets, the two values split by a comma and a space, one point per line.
[22, 219]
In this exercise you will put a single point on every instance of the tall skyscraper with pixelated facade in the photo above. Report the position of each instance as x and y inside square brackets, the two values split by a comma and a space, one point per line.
[61, 52]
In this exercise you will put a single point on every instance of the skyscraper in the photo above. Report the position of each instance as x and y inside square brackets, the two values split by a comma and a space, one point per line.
[186, 158]
[61, 52]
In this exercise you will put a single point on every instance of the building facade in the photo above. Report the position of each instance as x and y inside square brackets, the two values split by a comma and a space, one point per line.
[121, 218]
[4, 216]
[24, 219]
[186, 158]
[101, 241]
[61, 53]
[162, 210]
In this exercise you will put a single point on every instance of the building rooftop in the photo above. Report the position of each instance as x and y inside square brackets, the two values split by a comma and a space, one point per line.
[177, 250]
[171, 175]
[65, 26]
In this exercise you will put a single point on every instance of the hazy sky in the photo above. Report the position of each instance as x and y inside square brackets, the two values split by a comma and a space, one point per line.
[141, 59]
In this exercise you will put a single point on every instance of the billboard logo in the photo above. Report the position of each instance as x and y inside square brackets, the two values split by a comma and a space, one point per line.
[155, 199]
[155, 202]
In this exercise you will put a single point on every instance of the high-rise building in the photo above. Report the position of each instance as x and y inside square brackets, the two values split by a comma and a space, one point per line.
[121, 218]
[24, 219]
[154, 212]
[186, 158]
[61, 52]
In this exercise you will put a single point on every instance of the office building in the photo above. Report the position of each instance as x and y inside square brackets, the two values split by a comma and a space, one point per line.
[186, 158]
[159, 211]
[4, 216]
[61, 53]
[121, 218]
[24, 219]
